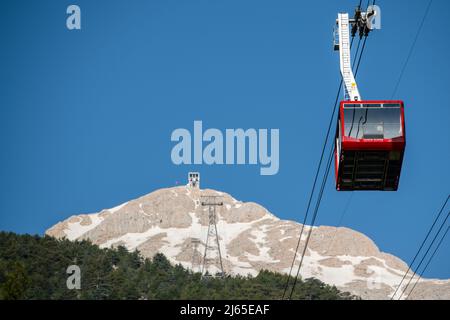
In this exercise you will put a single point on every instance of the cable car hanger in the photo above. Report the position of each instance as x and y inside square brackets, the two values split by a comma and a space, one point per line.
[370, 134]
[361, 22]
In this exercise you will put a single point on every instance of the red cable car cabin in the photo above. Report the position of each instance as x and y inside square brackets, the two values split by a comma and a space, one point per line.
[370, 143]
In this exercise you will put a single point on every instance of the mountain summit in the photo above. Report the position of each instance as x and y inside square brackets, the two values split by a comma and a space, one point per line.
[251, 239]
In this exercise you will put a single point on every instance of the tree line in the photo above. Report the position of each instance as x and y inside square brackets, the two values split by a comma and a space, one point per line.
[34, 267]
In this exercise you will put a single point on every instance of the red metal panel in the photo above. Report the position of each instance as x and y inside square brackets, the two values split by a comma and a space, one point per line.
[372, 144]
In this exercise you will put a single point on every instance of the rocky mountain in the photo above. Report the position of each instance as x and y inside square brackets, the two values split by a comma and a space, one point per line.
[251, 239]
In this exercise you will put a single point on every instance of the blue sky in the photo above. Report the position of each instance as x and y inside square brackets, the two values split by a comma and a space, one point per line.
[86, 116]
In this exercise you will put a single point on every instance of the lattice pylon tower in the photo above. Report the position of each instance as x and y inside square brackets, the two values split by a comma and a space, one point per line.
[196, 256]
[212, 256]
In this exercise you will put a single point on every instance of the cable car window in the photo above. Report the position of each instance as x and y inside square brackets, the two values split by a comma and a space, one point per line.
[372, 121]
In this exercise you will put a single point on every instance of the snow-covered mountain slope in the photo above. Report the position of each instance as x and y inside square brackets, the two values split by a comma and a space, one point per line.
[251, 239]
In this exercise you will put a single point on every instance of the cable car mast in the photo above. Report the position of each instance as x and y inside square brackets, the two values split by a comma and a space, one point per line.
[351, 89]
[362, 23]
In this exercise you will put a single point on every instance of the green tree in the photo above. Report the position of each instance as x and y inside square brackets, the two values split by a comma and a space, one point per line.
[15, 283]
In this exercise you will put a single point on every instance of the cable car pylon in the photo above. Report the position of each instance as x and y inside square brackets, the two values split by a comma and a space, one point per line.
[370, 134]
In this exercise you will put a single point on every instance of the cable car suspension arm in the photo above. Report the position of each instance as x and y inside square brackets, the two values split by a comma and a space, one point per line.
[361, 22]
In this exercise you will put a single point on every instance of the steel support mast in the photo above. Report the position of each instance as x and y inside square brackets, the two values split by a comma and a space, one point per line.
[212, 256]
